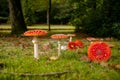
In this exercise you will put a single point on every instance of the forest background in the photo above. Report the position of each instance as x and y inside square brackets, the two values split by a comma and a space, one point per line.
[98, 18]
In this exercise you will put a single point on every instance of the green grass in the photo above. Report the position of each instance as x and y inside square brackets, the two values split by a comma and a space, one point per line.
[16, 57]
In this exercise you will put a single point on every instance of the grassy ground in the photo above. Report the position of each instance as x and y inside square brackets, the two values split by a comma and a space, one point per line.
[17, 62]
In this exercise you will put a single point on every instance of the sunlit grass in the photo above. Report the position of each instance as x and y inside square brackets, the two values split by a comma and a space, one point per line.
[40, 26]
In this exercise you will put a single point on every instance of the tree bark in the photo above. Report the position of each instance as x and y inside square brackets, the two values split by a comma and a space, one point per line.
[16, 17]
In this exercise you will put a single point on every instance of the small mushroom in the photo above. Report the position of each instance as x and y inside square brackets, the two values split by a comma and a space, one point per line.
[79, 44]
[92, 39]
[99, 51]
[35, 34]
[59, 37]
[72, 45]
[71, 35]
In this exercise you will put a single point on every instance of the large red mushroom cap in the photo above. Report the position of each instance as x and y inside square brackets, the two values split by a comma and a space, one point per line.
[59, 36]
[35, 33]
[99, 51]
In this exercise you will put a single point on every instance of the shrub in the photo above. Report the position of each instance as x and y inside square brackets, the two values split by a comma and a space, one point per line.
[116, 30]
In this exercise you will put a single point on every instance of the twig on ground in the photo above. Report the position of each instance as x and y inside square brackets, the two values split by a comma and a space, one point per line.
[42, 74]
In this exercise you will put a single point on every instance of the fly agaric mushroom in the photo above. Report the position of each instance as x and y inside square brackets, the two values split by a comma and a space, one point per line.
[79, 43]
[92, 39]
[99, 51]
[35, 34]
[59, 37]
[72, 45]
[71, 35]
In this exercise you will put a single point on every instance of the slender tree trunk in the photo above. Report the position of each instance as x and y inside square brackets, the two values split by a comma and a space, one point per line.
[16, 17]
[49, 15]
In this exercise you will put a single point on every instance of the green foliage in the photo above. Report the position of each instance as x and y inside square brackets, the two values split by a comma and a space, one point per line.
[29, 11]
[36, 11]
[62, 9]
[77, 13]
[4, 8]
[97, 17]
[116, 30]
[3, 11]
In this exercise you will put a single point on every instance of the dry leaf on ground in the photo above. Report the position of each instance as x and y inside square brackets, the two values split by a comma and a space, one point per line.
[53, 58]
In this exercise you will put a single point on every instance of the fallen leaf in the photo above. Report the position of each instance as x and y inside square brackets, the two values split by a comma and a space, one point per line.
[53, 58]
[117, 66]
[104, 64]
[111, 66]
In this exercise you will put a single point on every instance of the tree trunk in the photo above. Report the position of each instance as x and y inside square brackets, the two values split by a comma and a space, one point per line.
[49, 15]
[16, 17]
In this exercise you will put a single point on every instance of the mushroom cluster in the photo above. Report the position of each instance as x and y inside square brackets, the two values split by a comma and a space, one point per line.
[99, 51]
[35, 34]
[75, 44]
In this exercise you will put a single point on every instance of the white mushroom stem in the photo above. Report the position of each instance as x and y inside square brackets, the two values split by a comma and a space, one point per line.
[35, 42]
[59, 48]
[70, 38]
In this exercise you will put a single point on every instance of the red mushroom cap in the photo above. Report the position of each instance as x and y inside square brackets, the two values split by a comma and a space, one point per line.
[71, 34]
[35, 33]
[99, 51]
[79, 43]
[59, 36]
[72, 45]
